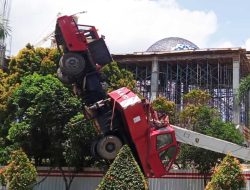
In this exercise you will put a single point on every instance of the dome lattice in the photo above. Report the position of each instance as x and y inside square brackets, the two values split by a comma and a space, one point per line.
[172, 44]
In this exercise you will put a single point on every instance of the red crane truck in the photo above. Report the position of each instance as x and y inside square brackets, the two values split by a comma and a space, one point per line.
[121, 117]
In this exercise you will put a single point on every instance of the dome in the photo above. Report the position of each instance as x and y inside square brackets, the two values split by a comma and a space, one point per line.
[172, 44]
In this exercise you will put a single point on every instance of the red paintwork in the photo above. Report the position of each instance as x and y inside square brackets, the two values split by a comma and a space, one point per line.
[142, 132]
[141, 122]
[154, 160]
[74, 37]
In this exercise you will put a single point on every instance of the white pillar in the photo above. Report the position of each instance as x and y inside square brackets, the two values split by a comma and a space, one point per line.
[236, 84]
[154, 78]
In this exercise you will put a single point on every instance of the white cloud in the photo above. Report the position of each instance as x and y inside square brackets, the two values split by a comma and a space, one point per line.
[225, 44]
[247, 44]
[131, 25]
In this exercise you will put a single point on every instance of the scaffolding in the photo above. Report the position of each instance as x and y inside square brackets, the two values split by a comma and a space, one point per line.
[180, 72]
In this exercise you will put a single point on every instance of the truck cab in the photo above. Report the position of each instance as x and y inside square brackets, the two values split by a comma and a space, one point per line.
[155, 142]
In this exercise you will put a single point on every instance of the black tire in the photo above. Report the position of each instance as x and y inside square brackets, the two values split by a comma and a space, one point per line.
[72, 64]
[63, 78]
[108, 147]
[93, 148]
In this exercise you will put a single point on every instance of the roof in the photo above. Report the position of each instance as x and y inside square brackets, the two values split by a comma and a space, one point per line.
[172, 44]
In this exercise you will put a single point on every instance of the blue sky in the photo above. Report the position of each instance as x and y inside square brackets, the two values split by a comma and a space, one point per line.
[233, 18]
[134, 25]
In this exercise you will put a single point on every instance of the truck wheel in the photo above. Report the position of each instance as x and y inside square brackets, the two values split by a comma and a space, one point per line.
[108, 147]
[72, 64]
[93, 148]
[63, 78]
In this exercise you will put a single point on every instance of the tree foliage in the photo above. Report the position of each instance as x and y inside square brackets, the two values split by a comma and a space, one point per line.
[198, 116]
[31, 60]
[205, 160]
[28, 61]
[124, 173]
[195, 101]
[79, 134]
[20, 66]
[41, 107]
[117, 77]
[227, 175]
[244, 87]
[20, 172]
[197, 97]
[164, 106]
[8, 84]
[41, 115]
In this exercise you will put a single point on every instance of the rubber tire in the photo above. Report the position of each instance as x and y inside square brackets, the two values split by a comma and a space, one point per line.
[63, 78]
[93, 148]
[72, 64]
[102, 145]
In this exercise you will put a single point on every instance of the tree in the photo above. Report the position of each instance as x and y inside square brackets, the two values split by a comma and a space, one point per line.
[42, 111]
[20, 172]
[197, 97]
[195, 100]
[117, 77]
[227, 175]
[164, 106]
[244, 88]
[41, 107]
[205, 160]
[41, 115]
[8, 84]
[31, 60]
[28, 61]
[79, 134]
[124, 173]
[198, 116]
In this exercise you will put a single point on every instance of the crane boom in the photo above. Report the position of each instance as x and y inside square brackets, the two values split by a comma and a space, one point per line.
[210, 143]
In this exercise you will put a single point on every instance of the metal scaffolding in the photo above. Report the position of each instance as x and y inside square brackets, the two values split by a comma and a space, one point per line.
[217, 72]
[142, 74]
[179, 78]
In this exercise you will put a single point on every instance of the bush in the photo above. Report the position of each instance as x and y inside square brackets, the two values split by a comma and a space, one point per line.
[20, 173]
[227, 175]
[124, 173]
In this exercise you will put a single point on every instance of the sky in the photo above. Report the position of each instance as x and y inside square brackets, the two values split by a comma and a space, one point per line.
[134, 25]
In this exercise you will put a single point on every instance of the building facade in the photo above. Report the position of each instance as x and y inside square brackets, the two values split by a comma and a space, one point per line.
[178, 68]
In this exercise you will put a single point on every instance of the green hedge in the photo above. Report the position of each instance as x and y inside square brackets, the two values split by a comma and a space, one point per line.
[124, 173]
[20, 174]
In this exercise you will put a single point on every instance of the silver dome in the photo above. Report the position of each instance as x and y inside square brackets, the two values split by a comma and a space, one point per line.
[172, 44]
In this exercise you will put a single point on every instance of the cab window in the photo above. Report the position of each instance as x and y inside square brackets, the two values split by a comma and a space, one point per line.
[163, 140]
[167, 155]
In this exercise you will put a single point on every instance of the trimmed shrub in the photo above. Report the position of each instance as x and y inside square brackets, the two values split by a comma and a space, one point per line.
[124, 173]
[227, 175]
[20, 173]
